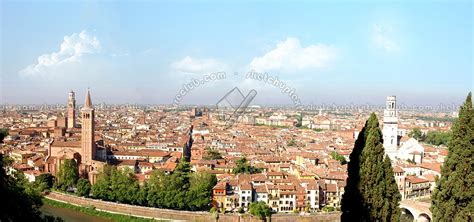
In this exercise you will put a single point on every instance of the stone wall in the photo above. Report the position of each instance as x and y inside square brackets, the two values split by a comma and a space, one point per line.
[182, 215]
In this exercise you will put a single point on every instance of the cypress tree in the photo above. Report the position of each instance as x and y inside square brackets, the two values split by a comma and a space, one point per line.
[391, 210]
[371, 193]
[452, 198]
[351, 202]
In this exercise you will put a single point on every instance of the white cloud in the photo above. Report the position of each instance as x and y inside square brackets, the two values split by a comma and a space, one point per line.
[291, 55]
[72, 49]
[383, 38]
[198, 66]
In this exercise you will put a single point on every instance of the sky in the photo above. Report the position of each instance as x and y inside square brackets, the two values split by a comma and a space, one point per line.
[328, 52]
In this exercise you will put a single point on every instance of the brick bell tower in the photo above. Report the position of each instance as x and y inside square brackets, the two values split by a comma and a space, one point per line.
[87, 134]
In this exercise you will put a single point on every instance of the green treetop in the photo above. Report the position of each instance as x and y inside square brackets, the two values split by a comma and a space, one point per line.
[67, 175]
[260, 209]
[243, 166]
[452, 199]
[212, 154]
[83, 187]
[415, 133]
[371, 192]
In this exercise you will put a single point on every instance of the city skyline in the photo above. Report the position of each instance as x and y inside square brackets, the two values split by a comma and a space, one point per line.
[352, 53]
[353, 110]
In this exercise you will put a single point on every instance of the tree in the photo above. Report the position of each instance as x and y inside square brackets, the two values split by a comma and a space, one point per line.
[452, 199]
[141, 196]
[415, 133]
[83, 187]
[178, 186]
[3, 134]
[437, 138]
[45, 179]
[156, 187]
[170, 191]
[328, 209]
[212, 154]
[338, 157]
[116, 185]
[299, 119]
[123, 185]
[243, 166]
[260, 209]
[20, 202]
[68, 175]
[214, 212]
[101, 188]
[351, 203]
[390, 209]
[181, 190]
[200, 190]
[371, 190]
[292, 142]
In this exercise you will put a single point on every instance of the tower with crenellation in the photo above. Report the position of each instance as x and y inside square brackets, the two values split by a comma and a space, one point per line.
[390, 127]
[71, 110]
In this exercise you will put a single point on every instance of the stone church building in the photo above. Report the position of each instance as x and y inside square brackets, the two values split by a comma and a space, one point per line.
[87, 152]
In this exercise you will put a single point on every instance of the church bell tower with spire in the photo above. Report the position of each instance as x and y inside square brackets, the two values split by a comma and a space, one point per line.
[87, 135]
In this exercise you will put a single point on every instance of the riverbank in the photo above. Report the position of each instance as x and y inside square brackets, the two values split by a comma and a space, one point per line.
[100, 216]
[176, 215]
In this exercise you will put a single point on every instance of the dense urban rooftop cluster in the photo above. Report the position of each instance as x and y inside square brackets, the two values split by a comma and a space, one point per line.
[300, 155]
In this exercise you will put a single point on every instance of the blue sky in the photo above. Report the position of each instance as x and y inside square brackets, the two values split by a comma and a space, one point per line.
[329, 52]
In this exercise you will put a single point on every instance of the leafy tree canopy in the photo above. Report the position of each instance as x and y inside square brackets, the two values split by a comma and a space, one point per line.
[243, 166]
[3, 134]
[260, 209]
[415, 133]
[212, 154]
[21, 200]
[67, 175]
[338, 157]
[83, 187]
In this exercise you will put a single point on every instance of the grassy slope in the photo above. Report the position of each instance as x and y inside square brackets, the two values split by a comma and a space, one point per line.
[93, 212]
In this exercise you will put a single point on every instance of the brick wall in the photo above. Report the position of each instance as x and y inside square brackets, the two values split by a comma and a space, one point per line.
[182, 215]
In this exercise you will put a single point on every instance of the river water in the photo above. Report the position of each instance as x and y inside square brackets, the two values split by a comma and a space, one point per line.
[70, 215]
